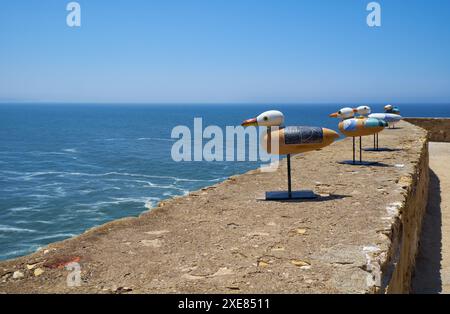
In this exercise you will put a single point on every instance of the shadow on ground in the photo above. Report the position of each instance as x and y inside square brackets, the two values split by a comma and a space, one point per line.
[364, 163]
[382, 149]
[427, 277]
[330, 197]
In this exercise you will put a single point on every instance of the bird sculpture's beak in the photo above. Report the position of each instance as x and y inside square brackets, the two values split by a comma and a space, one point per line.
[355, 110]
[250, 122]
[334, 115]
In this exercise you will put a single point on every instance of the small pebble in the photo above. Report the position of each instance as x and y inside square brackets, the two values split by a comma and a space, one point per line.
[18, 275]
[38, 272]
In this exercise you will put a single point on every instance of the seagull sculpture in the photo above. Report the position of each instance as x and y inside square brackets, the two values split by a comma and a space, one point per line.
[391, 109]
[390, 118]
[290, 140]
[364, 112]
[357, 127]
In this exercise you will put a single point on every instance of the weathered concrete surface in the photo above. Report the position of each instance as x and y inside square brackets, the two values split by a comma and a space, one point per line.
[358, 237]
[432, 274]
[438, 128]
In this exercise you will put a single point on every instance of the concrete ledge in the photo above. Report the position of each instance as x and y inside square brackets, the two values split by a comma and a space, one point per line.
[438, 128]
[360, 236]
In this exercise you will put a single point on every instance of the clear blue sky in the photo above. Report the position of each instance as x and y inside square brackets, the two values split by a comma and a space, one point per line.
[225, 51]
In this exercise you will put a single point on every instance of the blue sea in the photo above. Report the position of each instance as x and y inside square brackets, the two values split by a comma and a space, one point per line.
[65, 168]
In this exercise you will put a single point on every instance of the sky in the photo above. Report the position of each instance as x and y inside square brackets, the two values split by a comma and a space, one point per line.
[225, 51]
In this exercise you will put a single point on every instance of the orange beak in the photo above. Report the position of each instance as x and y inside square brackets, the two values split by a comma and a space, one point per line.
[250, 122]
[334, 115]
[355, 110]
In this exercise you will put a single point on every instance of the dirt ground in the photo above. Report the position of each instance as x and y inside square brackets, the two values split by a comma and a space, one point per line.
[433, 264]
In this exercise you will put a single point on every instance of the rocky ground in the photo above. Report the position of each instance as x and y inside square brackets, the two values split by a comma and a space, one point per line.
[225, 238]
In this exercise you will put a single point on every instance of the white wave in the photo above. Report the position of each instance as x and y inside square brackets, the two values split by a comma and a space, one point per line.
[41, 196]
[50, 184]
[32, 153]
[84, 192]
[60, 192]
[90, 210]
[96, 219]
[113, 173]
[20, 209]
[154, 177]
[136, 200]
[159, 186]
[84, 208]
[156, 139]
[70, 150]
[146, 184]
[38, 153]
[14, 253]
[116, 201]
[149, 205]
[113, 139]
[5, 228]
[53, 236]
[45, 222]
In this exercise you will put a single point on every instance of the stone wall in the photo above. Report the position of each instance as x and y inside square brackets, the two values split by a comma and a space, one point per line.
[407, 228]
[438, 128]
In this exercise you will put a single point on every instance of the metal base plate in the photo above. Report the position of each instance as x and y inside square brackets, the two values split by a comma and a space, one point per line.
[295, 195]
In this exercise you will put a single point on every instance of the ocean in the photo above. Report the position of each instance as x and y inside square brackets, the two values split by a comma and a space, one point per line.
[65, 168]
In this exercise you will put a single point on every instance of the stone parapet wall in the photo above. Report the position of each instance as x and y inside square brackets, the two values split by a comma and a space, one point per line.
[406, 230]
[438, 128]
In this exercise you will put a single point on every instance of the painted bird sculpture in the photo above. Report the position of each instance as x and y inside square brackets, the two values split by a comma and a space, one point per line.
[357, 127]
[289, 140]
[365, 112]
[391, 109]
[391, 115]
[390, 118]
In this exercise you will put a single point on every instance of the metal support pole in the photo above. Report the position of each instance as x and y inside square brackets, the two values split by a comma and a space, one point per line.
[354, 153]
[360, 149]
[289, 175]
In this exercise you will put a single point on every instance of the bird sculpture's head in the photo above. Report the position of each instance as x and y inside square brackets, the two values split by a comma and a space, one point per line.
[268, 118]
[388, 107]
[363, 110]
[344, 113]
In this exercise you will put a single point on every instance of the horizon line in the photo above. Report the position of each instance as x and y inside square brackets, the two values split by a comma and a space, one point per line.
[151, 103]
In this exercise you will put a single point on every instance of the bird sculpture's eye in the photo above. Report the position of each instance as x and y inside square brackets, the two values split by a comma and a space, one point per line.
[266, 118]
[339, 112]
